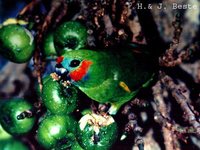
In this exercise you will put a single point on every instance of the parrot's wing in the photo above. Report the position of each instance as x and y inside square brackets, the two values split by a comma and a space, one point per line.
[101, 93]
[115, 106]
[114, 92]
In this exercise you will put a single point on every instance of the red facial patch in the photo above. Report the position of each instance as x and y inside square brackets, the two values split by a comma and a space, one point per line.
[79, 73]
[59, 59]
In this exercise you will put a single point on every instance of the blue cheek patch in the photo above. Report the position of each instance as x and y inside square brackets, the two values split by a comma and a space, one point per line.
[85, 78]
[65, 63]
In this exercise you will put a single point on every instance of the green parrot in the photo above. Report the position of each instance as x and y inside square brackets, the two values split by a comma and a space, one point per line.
[113, 77]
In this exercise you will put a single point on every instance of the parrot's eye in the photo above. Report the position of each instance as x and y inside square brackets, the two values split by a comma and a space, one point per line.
[74, 63]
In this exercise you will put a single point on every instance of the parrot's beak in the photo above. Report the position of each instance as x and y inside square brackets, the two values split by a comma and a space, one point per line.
[62, 72]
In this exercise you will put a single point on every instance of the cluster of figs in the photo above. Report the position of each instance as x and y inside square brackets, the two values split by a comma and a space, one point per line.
[57, 128]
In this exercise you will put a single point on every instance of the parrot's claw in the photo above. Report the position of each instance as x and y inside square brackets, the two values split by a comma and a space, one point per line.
[112, 110]
[123, 137]
[115, 107]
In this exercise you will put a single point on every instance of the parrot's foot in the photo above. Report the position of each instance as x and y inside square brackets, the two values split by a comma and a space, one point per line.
[114, 108]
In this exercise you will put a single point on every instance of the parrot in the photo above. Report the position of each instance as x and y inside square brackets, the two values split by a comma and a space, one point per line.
[110, 77]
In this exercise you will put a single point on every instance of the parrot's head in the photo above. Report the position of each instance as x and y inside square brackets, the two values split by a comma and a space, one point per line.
[79, 66]
[74, 69]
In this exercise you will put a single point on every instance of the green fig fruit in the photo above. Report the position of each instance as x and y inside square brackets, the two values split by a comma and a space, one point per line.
[57, 132]
[9, 116]
[59, 99]
[70, 35]
[16, 43]
[96, 132]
